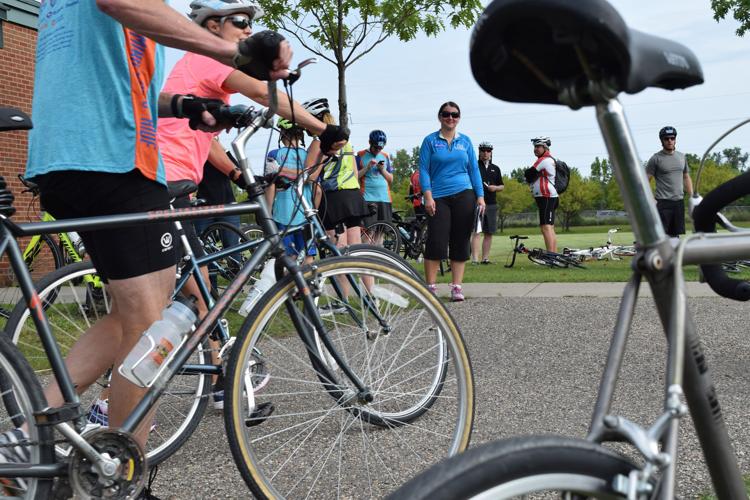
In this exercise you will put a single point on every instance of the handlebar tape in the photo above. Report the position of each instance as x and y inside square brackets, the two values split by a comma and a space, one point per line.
[705, 219]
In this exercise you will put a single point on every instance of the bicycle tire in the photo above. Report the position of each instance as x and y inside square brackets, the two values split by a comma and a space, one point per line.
[384, 231]
[295, 389]
[540, 260]
[41, 260]
[22, 397]
[517, 467]
[624, 251]
[374, 251]
[181, 406]
[253, 231]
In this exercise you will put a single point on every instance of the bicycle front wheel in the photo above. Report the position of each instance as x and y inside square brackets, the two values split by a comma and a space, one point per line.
[81, 304]
[382, 234]
[526, 467]
[321, 438]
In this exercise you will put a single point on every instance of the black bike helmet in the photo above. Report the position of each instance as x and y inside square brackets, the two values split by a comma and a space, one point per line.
[667, 132]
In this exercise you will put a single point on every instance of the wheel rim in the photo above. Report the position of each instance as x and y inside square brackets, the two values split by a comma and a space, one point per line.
[561, 484]
[340, 434]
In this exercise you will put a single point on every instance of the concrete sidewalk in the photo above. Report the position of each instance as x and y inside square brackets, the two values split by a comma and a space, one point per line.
[694, 289]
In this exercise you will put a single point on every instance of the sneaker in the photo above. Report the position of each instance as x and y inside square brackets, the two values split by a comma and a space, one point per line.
[218, 394]
[475, 262]
[432, 288]
[457, 294]
[332, 308]
[13, 453]
[99, 413]
[486, 262]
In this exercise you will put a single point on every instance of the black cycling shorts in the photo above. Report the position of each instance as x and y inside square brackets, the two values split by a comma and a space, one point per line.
[547, 207]
[118, 253]
[672, 215]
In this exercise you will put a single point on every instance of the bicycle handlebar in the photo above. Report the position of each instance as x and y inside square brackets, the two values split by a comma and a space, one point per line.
[705, 217]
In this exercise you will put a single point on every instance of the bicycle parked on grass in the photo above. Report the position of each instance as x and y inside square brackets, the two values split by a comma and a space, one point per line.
[413, 232]
[583, 54]
[391, 375]
[540, 256]
[608, 251]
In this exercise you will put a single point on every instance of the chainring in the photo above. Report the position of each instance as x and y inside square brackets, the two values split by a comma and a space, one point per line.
[128, 481]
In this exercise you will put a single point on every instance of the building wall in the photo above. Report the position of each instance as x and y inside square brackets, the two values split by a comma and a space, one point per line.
[16, 90]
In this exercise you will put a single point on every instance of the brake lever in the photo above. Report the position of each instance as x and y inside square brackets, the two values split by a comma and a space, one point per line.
[296, 73]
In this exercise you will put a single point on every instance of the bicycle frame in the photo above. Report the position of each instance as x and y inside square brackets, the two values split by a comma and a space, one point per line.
[659, 261]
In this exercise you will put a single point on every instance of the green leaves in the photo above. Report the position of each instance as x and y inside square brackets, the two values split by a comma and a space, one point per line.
[740, 10]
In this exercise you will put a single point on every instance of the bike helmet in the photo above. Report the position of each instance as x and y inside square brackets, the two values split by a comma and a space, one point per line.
[201, 10]
[317, 107]
[377, 138]
[542, 140]
[667, 132]
[288, 128]
[485, 146]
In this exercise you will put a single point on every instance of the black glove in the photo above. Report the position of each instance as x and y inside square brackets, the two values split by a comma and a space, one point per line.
[255, 54]
[332, 133]
[192, 107]
[238, 179]
[531, 175]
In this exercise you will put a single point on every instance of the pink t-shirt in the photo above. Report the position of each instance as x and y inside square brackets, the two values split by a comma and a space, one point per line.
[184, 150]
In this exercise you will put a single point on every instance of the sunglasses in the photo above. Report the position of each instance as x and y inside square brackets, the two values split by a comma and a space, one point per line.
[450, 114]
[239, 22]
[669, 139]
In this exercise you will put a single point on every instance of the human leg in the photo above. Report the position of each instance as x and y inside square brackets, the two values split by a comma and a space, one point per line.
[486, 246]
[550, 238]
[476, 244]
[547, 207]
[462, 216]
[436, 246]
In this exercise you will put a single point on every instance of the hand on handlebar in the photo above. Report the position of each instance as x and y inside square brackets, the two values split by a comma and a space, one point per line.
[264, 55]
[333, 139]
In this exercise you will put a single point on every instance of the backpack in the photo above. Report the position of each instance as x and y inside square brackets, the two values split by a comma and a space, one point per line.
[562, 176]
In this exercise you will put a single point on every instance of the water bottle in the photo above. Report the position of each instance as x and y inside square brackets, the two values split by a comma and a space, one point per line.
[77, 242]
[404, 234]
[158, 342]
[266, 281]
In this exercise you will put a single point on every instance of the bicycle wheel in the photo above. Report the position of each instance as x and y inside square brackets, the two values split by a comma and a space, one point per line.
[374, 251]
[419, 374]
[78, 307]
[624, 251]
[41, 259]
[382, 234]
[541, 260]
[527, 467]
[253, 232]
[21, 398]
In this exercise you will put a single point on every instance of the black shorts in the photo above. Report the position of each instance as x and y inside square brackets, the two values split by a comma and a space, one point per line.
[489, 220]
[380, 212]
[346, 206]
[672, 215]
[118, 253]
[449, 230]
[547, 207]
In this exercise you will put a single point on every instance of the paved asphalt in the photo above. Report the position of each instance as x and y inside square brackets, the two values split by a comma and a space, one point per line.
[537, 361]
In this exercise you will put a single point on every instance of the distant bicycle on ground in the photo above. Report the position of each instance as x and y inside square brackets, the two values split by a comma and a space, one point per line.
[608, 251]
[540, 256]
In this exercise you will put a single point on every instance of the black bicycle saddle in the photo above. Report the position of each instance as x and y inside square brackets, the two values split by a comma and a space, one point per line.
[529, 50]
[13, 119]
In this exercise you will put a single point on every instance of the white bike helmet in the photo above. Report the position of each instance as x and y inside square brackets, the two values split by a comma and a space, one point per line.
[201, 10]
[542, 140]
[317, 107]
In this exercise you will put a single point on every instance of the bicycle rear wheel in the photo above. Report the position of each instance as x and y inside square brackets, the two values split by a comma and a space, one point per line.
[21, 398]
[79, 305]
[382, 234]
[624, 251]
[41, 258]
[417, 370]
[527, 467]
[374, 251]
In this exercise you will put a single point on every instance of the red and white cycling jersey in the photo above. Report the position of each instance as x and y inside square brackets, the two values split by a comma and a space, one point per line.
[544, 186]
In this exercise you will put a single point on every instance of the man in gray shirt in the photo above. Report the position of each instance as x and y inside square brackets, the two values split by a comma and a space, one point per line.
[669, 168]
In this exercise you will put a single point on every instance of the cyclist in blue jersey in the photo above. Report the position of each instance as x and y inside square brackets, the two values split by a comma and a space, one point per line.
[375, 173]
[453, 194]
[109, 163]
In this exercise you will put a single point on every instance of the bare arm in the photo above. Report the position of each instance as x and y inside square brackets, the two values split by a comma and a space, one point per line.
[388, 176]
[688, 183]
[258, 92]
[161, 23]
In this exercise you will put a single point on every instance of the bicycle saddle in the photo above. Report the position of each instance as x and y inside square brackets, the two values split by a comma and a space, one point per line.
[532, 50]
[181, 188]
[13, 119]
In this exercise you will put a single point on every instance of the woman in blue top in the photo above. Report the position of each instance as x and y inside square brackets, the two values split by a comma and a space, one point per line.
[452, 187]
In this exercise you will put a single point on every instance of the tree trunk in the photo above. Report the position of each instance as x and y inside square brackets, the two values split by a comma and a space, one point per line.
[343, 108]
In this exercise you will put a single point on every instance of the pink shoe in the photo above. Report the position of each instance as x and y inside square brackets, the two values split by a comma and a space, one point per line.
[432, 288]
[457, 294]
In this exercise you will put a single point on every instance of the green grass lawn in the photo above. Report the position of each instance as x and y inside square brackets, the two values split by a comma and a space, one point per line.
[525, 271]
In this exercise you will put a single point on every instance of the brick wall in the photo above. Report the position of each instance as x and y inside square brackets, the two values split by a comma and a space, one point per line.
[16, 89]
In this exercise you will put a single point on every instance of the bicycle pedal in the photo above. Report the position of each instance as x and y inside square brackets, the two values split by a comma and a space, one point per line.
[260, 414]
